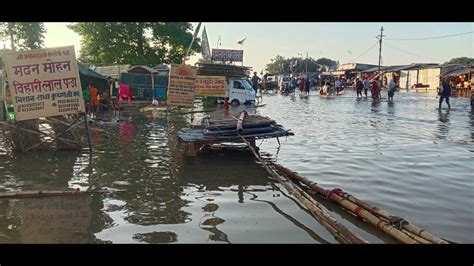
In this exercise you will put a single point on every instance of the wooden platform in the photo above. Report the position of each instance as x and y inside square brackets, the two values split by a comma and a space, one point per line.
[250, 127]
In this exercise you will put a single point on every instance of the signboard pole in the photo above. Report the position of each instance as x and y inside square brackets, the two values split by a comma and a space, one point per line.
[86, 123]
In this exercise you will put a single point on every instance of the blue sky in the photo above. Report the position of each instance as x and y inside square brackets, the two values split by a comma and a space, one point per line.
[338, 41]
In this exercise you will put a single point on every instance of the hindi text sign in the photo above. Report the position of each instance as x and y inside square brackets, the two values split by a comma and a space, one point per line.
[44, 82]
[227, 55]
[181, 86]
[211, 86]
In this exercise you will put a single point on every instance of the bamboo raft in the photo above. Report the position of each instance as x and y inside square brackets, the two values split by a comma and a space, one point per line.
[304, 190]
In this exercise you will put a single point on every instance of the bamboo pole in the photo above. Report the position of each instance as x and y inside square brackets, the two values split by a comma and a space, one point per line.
[35, 194]
[292, 219]
[416, 238]
[361, 212]
[35, 132]
[405, 224]
[339, 231]
[241, 120]
[70, 126]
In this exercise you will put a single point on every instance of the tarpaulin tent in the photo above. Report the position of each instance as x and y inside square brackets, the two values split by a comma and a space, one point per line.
[89, 76]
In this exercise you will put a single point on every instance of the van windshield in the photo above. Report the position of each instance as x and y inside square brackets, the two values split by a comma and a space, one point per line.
[246, 84]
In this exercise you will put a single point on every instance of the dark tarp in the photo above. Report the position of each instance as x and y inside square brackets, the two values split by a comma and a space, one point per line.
[89, 76]
[459, 72]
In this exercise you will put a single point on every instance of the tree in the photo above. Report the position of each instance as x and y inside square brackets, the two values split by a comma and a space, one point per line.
[327, 62]
[26, 35]
[281, 65]
[278, 65]
[461, 60]
[136, 43]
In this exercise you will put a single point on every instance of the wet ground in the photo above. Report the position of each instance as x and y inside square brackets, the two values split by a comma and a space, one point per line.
[405, 157]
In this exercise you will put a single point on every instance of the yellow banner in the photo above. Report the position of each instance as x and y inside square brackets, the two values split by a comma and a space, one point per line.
[211, 86]
[44, 82]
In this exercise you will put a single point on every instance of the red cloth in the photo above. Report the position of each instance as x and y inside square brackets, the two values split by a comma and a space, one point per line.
[375, 91]
[124, 91]
[94, 96]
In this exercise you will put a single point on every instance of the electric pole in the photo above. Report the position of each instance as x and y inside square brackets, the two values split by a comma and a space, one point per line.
[380, 46]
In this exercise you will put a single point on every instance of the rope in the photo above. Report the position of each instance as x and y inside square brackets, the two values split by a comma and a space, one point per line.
[336, 191]
[398, 222]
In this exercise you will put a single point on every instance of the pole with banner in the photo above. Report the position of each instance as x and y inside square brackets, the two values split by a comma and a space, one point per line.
[181, 86]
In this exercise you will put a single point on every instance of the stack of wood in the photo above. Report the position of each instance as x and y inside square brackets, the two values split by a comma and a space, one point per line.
[230, 129]
[248, 126]
[230, 71]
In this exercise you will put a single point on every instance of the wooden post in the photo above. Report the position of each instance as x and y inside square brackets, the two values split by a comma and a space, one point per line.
[152, 86]
[88, 136]
[241, 120]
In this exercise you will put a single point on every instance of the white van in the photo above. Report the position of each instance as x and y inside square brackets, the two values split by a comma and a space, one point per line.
[240, 91]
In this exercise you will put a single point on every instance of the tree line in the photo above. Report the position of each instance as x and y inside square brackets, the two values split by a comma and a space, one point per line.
[147, 43]
[282, 65]
[106, 43]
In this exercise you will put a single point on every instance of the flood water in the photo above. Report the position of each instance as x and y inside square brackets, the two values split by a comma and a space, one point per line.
[406, 158]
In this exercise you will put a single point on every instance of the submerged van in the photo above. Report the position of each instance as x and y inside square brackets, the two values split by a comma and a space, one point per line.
[239, 91]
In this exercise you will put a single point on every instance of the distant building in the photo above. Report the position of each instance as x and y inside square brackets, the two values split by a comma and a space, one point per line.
[351, 70]
[113, 71]
[147, 82]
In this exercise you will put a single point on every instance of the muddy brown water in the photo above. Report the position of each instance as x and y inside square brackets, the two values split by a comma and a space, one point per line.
[405, 157]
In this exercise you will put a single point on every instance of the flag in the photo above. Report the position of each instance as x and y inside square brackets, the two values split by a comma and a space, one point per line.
[205, 50]
[197, 30]
[192, 41]
[293, 64]
[241, 42]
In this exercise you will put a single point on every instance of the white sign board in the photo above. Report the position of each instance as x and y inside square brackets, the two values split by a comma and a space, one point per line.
[44, 82]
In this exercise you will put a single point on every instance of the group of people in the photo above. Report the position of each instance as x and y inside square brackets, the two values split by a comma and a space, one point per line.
[303, 84]
[97, 103]
[375, 87]
[363, 85]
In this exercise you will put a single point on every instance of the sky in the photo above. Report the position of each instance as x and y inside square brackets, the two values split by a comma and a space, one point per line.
[338, 41]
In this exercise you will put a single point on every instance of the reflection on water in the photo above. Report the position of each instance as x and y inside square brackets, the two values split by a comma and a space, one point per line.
[403, 156]
[156, 237]
[443, 126]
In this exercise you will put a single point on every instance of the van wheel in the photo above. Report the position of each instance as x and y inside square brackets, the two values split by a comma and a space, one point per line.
[235, 102]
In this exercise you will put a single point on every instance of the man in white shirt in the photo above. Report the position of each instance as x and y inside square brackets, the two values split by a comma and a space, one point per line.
[392, 86]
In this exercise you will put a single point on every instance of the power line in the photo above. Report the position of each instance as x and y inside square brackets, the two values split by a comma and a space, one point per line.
[413, 53]
[365, 51]
[430, 38]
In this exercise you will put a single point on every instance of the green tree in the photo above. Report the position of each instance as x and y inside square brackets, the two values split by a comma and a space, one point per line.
[461, 60]
[281, 65]
[26, 35]
[327, 62]
[136, 43]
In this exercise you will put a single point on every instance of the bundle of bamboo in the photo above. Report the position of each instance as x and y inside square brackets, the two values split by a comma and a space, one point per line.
[394, 226]
[341, 233]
